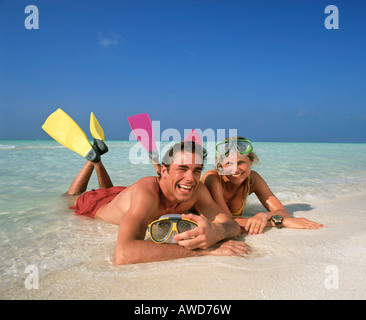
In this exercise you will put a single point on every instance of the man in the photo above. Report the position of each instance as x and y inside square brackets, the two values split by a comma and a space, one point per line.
[177, 190]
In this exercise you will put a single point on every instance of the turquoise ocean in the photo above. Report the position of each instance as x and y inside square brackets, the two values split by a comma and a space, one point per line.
[38, 229]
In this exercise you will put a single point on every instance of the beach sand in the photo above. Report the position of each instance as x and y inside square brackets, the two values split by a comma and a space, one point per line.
[329, 263]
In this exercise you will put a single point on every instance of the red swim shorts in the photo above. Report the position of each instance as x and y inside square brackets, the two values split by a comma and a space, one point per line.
[90, 202]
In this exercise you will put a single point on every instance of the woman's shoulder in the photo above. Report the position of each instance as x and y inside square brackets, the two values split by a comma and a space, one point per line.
[257, 181]
[210, 172]
[210, 176]
[255, 174]
[255, 177]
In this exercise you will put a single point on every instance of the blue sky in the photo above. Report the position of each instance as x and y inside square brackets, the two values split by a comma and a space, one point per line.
[269, 69]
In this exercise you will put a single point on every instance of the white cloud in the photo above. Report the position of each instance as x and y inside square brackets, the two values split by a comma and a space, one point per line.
[110, 39]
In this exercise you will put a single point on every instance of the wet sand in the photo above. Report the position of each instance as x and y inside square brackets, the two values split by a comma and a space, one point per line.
[328, 263]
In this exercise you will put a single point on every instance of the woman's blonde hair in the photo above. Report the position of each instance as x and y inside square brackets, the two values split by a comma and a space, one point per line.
[247, 182]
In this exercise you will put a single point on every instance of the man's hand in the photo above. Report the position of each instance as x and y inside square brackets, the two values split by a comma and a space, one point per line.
[201, 237]
[205, 237]
[229, 248]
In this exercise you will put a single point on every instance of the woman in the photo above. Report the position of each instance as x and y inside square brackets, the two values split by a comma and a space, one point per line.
[233, 180]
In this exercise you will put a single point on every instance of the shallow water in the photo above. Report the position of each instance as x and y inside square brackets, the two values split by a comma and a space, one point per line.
[74, 255]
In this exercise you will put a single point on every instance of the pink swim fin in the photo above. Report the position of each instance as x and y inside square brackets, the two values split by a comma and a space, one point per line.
[194, 136]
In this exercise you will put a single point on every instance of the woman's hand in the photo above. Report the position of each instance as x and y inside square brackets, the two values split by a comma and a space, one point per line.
[257, 223]
[300, 223]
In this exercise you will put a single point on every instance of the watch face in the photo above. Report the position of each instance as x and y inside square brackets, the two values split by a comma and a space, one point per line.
[277, 219]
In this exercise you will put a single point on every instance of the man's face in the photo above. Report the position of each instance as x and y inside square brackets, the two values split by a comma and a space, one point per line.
[183, 176]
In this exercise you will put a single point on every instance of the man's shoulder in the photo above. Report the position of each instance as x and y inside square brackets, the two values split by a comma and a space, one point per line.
[201, 190]
[143, 192]
[146, 185]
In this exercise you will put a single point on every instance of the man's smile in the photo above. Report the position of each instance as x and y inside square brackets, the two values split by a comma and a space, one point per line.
[185, 188]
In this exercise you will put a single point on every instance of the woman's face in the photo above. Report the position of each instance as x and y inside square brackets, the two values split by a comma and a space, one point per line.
[236, 167]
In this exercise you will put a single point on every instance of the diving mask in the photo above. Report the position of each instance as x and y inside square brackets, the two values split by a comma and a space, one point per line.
[242, 146]
[165, 228]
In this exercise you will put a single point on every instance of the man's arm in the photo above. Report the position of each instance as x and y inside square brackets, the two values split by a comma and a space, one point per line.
[132, 248]
[136, 250]
[227, 228]
[217, 225]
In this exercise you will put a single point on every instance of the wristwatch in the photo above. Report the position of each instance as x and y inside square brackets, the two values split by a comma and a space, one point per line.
[277, 219]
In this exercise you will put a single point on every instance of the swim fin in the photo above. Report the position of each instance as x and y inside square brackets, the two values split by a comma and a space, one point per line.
[98, 134]
[66, 131]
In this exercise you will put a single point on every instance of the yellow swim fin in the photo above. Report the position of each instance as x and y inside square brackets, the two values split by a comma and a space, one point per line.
[98, 134]
[95, 128]
[66, 131]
